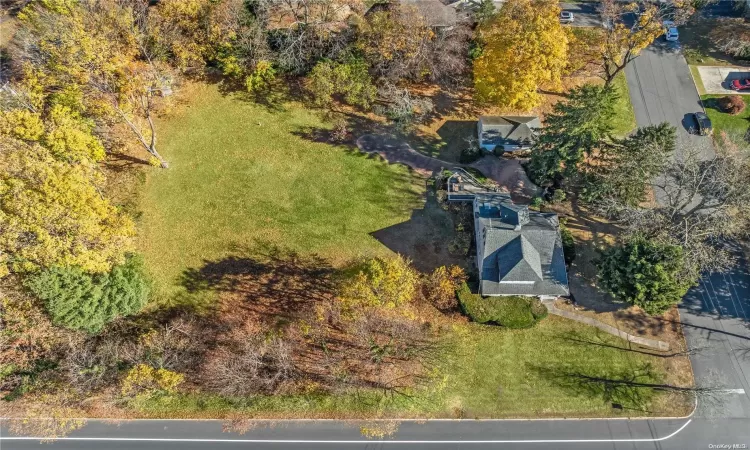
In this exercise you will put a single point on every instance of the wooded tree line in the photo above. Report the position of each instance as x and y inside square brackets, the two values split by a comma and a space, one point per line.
[677, 206]
[366, 330]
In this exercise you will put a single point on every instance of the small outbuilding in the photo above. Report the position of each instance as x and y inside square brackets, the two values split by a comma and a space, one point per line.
[508, 133]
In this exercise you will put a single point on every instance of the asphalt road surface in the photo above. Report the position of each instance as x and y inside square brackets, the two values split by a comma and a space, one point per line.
[467, 434]
[716, 313]
[584, 14]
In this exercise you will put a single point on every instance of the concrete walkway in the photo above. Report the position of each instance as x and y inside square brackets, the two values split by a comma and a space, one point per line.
[506, 172]
[652, 343]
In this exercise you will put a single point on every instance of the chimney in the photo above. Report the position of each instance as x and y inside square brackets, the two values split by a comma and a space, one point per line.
[523, 217]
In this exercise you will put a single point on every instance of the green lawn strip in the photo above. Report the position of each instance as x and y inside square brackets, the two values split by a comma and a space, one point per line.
[732, 125]
[485, 371]
[624, 120]
[697, 79]
[243, 176]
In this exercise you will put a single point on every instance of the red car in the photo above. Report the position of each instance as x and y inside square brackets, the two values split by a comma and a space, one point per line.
[741, 85]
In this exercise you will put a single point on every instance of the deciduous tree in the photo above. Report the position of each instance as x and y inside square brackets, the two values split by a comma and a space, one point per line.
[381, 283]
[732, 36]
[53, 213]
[349, 79]
[631, 27]
[525, 48]
[701, 203]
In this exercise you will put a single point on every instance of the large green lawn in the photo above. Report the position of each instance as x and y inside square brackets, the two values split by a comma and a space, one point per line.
[243, 176]
[485, 372]
[735, 126]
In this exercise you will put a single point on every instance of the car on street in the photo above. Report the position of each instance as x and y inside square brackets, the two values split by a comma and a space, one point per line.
[566, 17]
[670, 31]
[740, 85]
[702, 123]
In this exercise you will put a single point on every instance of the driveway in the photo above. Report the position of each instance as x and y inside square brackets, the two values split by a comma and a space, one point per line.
[716, 79]
[506, 172]
[716, 313]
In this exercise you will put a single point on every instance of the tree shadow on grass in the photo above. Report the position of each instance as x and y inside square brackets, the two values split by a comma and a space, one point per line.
[267, 290]
[603, 340]
[624, 388]
[269, 284]
[273, 97]
[429, 238]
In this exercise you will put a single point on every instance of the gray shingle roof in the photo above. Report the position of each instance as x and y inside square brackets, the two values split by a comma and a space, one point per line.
[518, 260]
[499, 130]
[434, 12]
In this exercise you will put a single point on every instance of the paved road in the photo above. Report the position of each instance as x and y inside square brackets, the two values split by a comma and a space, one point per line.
[717, 312]
[584, 14]
[614, 434]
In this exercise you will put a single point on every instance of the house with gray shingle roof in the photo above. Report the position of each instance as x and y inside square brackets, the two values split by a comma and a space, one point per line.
[509, 133]
[519, 251]
[434, 12]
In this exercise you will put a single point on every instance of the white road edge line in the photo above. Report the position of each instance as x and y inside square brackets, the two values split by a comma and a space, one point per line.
[360, 441]
[734, 391]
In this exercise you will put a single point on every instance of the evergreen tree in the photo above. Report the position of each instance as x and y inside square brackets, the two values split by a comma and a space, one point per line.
[81, 301]
[629, 166]
[645, 273]
[575, 129]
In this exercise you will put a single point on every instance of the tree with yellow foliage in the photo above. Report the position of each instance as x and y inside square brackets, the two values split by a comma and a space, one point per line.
[91, 61]
[386, 283]
[53, 213]
[626, 38]
[524, 48]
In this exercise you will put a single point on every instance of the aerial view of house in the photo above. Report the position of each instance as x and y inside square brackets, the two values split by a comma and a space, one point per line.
[356, 224]
[507, 133]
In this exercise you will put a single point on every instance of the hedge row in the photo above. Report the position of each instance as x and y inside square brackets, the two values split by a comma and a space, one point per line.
[510, 312]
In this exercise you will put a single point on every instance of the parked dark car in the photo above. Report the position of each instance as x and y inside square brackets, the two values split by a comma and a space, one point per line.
[741, 85]
[702, 124]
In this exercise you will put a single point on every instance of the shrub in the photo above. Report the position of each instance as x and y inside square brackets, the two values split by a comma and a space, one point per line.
[732, 104]
[440, 287]
[536, 203]
[568, 243]
[558, 196]
[385, 283]
[470, 154]
[81, 301]
[509, 312]
[146, 379]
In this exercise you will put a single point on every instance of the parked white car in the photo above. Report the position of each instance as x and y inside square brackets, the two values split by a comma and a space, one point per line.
[671, 33]
[566, 17]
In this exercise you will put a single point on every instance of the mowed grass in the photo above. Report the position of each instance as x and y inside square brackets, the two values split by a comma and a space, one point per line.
[243, 176]
[736, 125]
[485, 371]
[624, 120]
